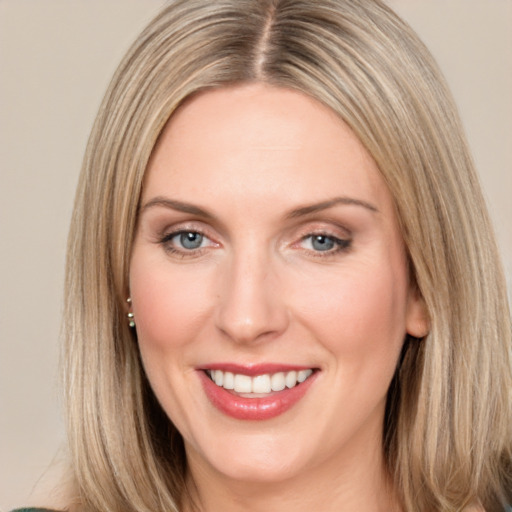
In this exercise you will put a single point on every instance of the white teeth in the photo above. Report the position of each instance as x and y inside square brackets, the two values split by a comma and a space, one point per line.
[303, 375]
[219, 377]
[259, 384]
[291, 379]
[243, 383]
[229, 381]
[278, 382]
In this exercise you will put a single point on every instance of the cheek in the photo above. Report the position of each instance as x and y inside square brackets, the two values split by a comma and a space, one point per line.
[169, 306]
[359, 312]
[170, 309]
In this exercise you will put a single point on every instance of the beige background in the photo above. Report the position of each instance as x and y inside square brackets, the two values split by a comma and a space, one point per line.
[56, 57]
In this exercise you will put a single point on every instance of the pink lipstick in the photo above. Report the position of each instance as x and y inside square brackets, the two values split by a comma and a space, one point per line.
[255, 392]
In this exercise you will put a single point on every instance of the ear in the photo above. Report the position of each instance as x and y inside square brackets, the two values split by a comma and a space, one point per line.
[417, 320]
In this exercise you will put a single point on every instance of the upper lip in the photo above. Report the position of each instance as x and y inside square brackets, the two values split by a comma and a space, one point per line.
[254, 369]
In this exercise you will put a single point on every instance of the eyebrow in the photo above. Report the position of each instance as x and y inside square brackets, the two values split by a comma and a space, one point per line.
[324, 205]
[178, 206]
[297, 212]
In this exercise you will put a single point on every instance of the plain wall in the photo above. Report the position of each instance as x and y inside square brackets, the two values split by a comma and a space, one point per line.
[56, 58]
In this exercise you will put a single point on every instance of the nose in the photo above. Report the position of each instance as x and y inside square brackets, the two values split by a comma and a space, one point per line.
[251, 306]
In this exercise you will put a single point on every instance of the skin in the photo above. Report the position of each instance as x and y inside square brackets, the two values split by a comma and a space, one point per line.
[258, 290]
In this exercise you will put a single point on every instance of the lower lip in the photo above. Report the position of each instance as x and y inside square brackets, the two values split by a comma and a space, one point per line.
[263, 408]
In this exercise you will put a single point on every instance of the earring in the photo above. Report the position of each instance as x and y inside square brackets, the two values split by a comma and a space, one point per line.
[130, 315]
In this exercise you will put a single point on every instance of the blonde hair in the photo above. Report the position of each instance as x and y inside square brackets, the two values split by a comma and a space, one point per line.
[448, 420]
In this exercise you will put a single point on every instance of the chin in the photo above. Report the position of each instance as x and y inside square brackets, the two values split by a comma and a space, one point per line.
[254, 459]
[259, 471]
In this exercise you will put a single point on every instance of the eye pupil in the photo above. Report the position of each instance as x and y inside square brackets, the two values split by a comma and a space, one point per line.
[191, 240]
[322, 243]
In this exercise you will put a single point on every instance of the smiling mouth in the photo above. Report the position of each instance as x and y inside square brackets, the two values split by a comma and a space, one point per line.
[258, 386]
[256, 392]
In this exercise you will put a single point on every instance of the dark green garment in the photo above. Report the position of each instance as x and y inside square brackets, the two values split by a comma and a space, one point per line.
[33, 510]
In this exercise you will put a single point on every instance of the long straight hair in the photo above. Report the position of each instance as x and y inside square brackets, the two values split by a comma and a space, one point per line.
[448, 421]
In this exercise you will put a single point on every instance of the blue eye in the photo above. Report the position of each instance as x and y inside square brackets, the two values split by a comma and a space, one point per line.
[186, 243]
[324, 243]
[188, 239]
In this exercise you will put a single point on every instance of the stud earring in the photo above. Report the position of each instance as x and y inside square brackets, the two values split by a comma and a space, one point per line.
[130, 315]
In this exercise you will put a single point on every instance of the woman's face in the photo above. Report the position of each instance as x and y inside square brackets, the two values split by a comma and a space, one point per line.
[268, 252]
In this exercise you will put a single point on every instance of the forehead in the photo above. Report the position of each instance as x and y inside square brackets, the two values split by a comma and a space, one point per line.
[257, 139]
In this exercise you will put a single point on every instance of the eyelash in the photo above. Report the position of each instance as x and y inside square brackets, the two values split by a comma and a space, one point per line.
[340, 245]
[166, 241]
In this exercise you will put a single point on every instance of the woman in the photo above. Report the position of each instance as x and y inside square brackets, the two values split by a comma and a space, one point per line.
[283, 290]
